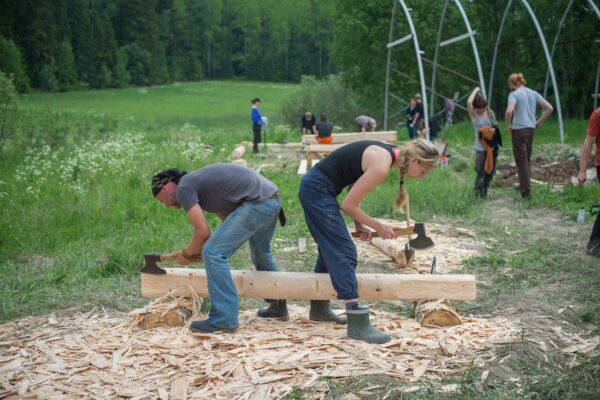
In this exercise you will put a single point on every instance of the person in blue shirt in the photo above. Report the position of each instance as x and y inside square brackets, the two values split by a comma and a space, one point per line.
[256, 123]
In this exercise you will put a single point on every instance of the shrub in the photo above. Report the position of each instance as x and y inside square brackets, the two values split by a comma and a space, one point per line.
[328, 96]
[9, 113]
[12, 64]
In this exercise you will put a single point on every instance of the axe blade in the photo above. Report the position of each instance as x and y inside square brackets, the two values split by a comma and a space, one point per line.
[421, 242]
[150, 266]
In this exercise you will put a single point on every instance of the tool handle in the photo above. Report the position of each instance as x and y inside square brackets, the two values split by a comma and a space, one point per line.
[173, 257]
[398, 231]
[407, 209]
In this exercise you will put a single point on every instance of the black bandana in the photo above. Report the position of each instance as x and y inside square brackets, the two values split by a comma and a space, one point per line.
[162, 178]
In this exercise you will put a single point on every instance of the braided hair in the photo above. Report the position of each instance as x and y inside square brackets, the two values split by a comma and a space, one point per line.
[163, 177]
[423, 151]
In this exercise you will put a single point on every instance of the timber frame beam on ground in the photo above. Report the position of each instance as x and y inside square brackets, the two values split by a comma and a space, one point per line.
[312, 286]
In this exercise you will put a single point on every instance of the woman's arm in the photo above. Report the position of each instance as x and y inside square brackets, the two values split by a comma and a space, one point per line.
[470, 104]
[548, 109]
[376, 165]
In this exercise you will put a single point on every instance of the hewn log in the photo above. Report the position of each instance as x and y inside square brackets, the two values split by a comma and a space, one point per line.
[311, 286]
[381, 136]
[436, 313]
[238, 152]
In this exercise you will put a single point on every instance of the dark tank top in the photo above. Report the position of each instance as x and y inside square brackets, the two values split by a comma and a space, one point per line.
[344, 165]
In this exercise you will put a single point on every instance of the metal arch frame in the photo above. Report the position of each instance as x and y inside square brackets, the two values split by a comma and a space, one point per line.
[470, 34]
[546, 52]
[556, 37]
[390, 45]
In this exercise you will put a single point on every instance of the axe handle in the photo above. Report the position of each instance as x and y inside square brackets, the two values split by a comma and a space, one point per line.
[407, 209]
[173, 257]
[397, 231]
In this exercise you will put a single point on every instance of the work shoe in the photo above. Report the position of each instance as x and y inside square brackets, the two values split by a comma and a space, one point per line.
[320, 310]
[360, 328]
[277, 309]
[206, 327]
[593, 247]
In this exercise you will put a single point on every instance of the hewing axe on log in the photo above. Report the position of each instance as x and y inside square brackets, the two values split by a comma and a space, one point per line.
[150, 260]
[421, 242]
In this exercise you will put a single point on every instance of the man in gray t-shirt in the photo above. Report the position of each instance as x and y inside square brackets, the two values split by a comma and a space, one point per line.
[248, 204]
[364, 122]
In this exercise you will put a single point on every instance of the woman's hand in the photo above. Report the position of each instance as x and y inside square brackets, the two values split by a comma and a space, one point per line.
[385, 231]
[364, 233]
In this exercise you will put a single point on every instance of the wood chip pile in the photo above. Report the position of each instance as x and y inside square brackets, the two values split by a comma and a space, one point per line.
[103, 356]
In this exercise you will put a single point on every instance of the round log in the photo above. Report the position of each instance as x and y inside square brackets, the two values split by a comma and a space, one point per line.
[238, 152]
[393, 249]
[436, 313]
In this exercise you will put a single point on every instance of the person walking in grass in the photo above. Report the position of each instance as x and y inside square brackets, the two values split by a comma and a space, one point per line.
[487, 141]
[249, 205]
[522, 123]
[257, 124]
[361, 166]
[592, 136]
[324, 130]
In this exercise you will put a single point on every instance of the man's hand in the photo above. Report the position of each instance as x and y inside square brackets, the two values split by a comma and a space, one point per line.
[385, 231]
[181, 260]
[363, 232]
[581, 177]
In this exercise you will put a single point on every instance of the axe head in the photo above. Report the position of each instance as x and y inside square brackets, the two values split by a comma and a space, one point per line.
[150, 266]
[421, 242]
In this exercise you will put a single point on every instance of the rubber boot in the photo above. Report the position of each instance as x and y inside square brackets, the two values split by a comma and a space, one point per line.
[360, 328]
[321, 311]
[277, 309]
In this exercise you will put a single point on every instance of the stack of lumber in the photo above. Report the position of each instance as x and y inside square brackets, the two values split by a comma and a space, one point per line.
[95, 355]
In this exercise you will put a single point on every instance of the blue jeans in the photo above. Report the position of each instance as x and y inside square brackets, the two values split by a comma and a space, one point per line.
[337, 252]
[250, 222]
[411, 131]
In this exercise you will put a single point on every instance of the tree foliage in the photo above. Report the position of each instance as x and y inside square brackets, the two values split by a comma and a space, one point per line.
[362, 29]
[100, 43]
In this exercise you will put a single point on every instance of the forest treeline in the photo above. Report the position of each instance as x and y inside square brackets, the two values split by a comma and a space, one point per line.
[68, 44]
[63, 44]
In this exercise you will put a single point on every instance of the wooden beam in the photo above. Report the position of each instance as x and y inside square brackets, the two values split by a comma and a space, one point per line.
[302, 167]
[382, 136]
[312, 286]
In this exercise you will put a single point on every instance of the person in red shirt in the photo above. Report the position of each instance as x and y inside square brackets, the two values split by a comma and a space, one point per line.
[593, 136]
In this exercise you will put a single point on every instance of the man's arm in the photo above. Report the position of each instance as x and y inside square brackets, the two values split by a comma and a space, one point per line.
[586, 150]
[200, 236]
[548, 109]
[508, 115]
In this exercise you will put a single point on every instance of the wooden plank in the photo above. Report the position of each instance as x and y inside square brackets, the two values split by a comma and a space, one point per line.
[302, 167]
[311, 286]
[323, 148]
[382, 136]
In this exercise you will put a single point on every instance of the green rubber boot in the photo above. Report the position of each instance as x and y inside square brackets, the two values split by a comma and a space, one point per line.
[360, 328]
[321, 311]
[277, 309]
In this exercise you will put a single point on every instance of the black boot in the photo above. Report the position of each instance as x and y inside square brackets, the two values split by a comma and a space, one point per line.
[277, 309]
[359, 327]
[321, 311]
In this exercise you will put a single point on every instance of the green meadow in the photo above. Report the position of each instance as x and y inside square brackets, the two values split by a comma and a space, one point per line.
[77, 213]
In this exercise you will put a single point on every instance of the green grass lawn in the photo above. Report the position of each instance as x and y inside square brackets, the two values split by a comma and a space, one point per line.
[76, 214]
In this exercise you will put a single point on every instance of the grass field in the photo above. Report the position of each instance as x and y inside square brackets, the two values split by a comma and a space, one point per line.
[77, 214]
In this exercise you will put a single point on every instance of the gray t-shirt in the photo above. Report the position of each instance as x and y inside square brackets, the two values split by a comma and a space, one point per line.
[363, 121]
[526, 101]
[221, 188]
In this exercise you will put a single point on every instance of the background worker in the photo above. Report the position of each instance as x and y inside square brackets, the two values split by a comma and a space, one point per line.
[256, 124]
[364, 122]
[417, 121]
[521, 123]
[308, 121]
[592, 136]
[410, 115]
[362, 166]
[248, 204]
[324, 130]
[477, 106]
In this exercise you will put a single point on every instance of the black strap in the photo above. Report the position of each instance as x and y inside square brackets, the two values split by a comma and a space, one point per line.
[282, 219]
